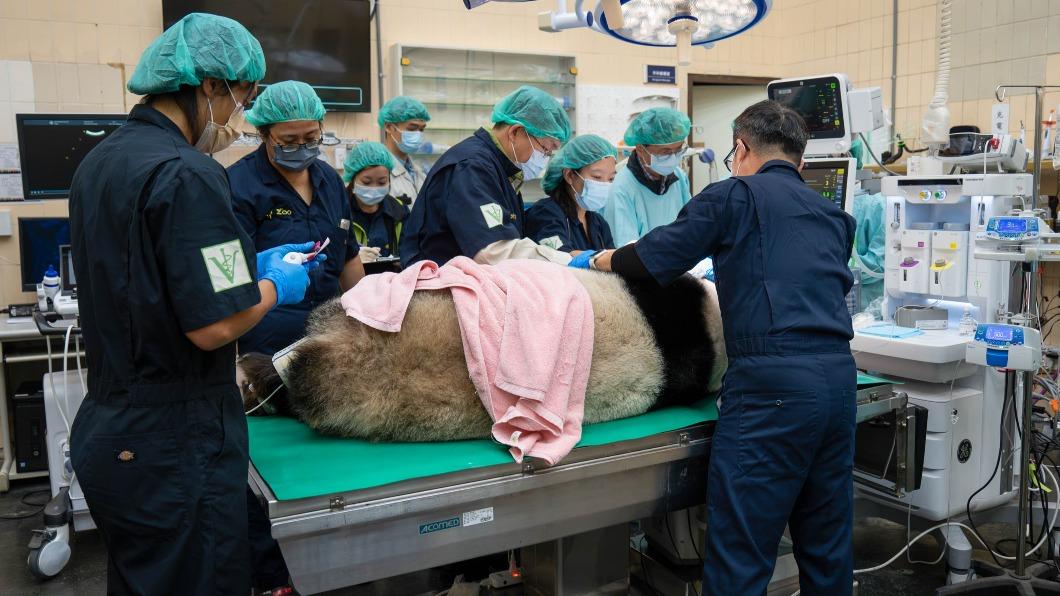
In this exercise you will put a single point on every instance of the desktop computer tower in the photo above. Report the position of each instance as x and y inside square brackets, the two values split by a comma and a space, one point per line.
[31, 453]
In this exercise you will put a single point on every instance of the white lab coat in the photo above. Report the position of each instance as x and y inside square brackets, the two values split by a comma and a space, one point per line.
[404, 183]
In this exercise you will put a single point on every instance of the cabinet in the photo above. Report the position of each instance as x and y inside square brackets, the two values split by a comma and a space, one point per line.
[460, 87]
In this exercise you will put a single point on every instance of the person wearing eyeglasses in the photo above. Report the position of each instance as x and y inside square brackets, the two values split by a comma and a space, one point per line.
[783, 451]
[470, 204]
[283, 191]
[652, 188]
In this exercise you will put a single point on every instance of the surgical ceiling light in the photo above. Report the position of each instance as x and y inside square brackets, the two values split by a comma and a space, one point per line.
[469, 4]
[661, 23]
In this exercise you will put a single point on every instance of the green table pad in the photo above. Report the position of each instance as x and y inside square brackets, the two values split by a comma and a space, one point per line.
[866, 381]
[298, 463]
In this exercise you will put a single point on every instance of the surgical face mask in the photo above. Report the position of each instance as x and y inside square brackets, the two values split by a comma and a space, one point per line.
[594, 194]
[410, 140]
[371, 195]
[535, 166]
[295, 161]
[215, 137]
[664, 164]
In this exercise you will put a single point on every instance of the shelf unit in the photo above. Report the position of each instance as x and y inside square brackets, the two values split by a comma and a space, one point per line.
[460, 87]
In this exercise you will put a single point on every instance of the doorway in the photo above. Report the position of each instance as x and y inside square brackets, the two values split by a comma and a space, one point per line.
[715, 102]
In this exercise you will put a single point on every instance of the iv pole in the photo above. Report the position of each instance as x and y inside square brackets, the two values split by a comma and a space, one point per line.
[1030, 272]
[1036, 579]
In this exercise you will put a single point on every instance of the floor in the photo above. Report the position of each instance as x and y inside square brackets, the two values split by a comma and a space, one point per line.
[875, 541]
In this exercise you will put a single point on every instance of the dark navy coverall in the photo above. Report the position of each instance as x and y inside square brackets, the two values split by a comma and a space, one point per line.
[467, 203]
[272, 213]
[546, 223]
[783, 448]
[160, 443]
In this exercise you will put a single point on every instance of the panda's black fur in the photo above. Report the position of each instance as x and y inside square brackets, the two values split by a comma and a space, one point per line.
[676, 315]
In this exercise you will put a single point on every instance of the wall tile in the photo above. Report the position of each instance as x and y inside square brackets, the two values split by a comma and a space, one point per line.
[87, 50]
[1053, 37]
[1036, 70]
[45, 88]
[7, 123]
[5, 78]
[86, 11]
[20, 77]
[971, 83]
[1004, 11]
[1036, 31]
[1036, 10]
[112, 90]
[89, 84]
[987, 14]
[109, 44]
[64, 41]
[40, 48]
[66, 79]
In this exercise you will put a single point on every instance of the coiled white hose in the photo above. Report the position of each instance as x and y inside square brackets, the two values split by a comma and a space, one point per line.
[936, 123]
[942, 66]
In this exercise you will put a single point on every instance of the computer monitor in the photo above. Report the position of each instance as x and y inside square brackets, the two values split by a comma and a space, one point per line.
[66, 270]
[51, 146]
[833, 178]
[39, 239]
[822, 103]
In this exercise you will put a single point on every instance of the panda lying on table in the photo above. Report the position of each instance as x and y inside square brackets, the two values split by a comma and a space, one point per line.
[653, 347]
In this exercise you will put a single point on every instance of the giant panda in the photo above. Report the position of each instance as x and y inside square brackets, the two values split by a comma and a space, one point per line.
[653, 347]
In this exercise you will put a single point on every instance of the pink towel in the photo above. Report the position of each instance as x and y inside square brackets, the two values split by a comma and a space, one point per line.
[527, 330]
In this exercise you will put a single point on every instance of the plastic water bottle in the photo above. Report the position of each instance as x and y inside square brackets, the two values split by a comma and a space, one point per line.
[968, 324]
[51, 283]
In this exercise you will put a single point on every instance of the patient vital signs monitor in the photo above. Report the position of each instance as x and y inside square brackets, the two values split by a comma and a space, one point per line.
[822, 102]
[833, 179]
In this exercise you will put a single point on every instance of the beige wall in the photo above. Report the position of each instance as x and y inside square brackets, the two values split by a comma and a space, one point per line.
[75, 55]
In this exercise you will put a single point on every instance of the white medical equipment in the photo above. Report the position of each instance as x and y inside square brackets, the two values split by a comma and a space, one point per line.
[932, 226]
[833, 110]
[1013, 347]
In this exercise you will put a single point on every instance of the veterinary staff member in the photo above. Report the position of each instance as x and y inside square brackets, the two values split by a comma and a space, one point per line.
[403, 120]
[870, 239]
[470, 204]
[577, 181]
[282, 192]
[168, 282]
[652, 188]
[784, 446]
[377, 216]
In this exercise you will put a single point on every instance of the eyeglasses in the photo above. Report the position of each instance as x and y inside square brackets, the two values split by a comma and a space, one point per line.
[292, 147]
[668, 152]
[732, 153]
[533, 146]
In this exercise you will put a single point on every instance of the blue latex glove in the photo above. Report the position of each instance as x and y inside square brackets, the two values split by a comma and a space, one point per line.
[290, 280]
[263, 256]
[582, 260]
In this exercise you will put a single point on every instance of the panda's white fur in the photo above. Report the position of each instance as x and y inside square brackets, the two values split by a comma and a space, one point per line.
[351, 380]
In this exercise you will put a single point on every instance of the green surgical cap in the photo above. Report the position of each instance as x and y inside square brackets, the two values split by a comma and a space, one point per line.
[196, 47]
[285, 102]
[581, 151]
[657, 126]
[536, 110]
[402, 109]
[366, 155]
